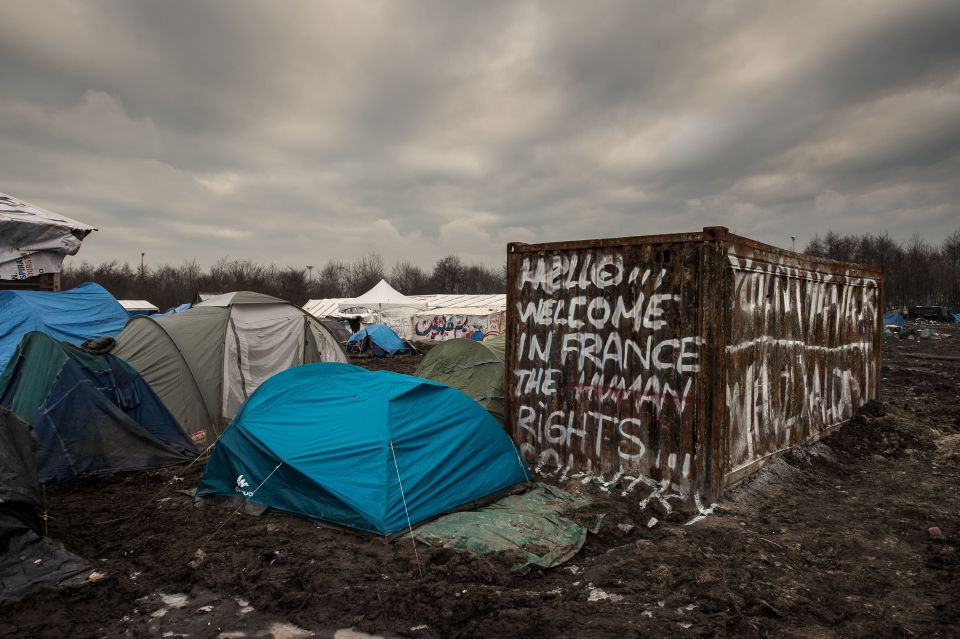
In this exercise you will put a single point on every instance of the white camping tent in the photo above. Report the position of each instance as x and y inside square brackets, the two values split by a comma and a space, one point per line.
[387, 306]
[383, 296]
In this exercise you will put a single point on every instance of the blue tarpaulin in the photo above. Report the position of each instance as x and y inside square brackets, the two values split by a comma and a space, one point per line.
[956, 318]
[379, 338]
[362, 448]
[73, 316]
[893, 319]
[175, 310]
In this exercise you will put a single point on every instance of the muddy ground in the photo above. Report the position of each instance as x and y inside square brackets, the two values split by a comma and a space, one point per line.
[828, 541]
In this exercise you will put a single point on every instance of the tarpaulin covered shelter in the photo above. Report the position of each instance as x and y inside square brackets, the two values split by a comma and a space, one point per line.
[75, 316]
[34, 241]
[177, 309]
[28, 560]
[893, 318]
[377, 340]
[204, 362]
[362, 449]
[474, 368]
[91, 413]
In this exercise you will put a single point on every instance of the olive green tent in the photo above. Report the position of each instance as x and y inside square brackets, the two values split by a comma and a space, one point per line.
[204, 362]
[474, 368]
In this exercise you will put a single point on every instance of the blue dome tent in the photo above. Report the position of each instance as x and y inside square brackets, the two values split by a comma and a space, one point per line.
[362, 449]
[378, 340]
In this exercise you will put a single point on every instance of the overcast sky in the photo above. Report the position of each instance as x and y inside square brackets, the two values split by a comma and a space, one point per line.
[301, 132]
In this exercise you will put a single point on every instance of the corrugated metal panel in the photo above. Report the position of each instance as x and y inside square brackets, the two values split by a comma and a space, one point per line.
[493, 301]
[436, 303]
[324, 307]
[684, 359]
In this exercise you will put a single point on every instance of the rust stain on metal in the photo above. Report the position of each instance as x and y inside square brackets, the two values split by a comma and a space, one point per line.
[687, 358]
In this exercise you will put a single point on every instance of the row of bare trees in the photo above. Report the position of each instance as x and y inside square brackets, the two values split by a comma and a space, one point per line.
[917, 272]
[169, 285]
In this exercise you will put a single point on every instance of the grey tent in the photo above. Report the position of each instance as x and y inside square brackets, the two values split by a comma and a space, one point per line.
[336, 328]
[28, 560]
[204, 362]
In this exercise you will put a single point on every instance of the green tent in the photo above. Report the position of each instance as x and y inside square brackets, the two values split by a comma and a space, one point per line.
[91, 413]
[474, 368]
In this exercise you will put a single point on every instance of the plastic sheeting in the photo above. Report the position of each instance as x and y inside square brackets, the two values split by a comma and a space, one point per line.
[361, 449]
[530, 529]
[74, 316]
[893, 319]
[28, 560]
[34, 241]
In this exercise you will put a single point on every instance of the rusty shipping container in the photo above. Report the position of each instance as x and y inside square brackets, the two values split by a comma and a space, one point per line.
[685, 360]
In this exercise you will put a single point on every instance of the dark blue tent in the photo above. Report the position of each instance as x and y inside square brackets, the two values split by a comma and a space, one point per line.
[378, 340]
[74, 316]
[371, 450]
[893, 318]
[90, 413]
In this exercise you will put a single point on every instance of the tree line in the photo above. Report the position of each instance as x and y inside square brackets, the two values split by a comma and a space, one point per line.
[916, 272]
[168, 285]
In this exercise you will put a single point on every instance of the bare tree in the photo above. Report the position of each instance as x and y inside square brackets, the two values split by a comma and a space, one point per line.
[409, 279]
[365, 273]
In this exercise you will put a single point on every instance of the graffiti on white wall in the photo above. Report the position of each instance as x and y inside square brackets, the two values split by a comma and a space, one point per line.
[442, 327]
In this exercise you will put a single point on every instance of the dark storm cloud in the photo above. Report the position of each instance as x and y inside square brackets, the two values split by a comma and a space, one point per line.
[298, 132]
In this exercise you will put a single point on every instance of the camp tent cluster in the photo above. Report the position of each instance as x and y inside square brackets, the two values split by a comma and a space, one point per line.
[425, 318]
[90, 385]
[86, 388]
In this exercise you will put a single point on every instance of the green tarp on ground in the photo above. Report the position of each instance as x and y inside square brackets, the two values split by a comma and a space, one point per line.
[532, 527]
